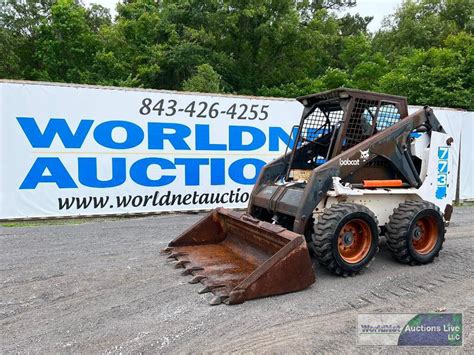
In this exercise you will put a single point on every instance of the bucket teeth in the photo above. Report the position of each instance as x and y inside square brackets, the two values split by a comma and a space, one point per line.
[211, 288]
[180, 263]
[206, 289]
[189, 271]
[166, 250]
[237, 257]
[218, 299]
[196, 279]
[176, 255]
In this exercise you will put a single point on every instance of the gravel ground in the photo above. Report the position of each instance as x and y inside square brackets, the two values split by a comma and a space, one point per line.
[101, 286]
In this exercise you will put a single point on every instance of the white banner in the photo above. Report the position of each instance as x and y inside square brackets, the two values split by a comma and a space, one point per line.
[70, 150]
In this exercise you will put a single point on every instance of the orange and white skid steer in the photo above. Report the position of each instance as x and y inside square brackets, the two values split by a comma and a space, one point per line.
[360, 167]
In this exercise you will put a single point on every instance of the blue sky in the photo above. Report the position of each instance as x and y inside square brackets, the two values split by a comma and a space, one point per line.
[376, 8]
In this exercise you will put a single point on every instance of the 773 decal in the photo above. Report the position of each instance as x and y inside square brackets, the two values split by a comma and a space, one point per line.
[442, 186]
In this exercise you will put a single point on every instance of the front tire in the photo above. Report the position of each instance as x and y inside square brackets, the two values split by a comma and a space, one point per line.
[345, 238]
[415, 233]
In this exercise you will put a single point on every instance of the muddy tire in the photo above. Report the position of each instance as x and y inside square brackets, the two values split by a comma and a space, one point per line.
[415, 233]
[346, 238]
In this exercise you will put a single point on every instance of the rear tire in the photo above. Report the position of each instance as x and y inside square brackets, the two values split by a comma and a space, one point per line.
[415, 233]
[346, 238]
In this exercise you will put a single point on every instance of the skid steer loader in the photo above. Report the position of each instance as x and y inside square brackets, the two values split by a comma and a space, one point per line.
[360, 167]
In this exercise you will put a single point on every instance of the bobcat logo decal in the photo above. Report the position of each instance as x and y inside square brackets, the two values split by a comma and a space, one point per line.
[364, 154]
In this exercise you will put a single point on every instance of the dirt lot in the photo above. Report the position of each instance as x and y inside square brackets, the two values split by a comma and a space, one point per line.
[101, 286]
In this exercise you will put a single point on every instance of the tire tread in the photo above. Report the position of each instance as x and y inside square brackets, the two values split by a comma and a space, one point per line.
[398, 228]
[324, 231]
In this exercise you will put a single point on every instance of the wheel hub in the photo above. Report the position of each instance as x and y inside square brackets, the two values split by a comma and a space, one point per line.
[348, 239]
[424, 235]
[417, 233]
[354, 241]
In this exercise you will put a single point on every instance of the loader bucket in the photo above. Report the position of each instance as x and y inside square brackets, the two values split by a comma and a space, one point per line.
[237, 257]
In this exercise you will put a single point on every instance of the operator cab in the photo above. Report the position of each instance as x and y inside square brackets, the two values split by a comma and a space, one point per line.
[337, 120]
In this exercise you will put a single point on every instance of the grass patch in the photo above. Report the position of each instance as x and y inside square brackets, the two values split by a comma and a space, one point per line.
[89, 219]
[465, 204]
[58, 221]
[45, 222]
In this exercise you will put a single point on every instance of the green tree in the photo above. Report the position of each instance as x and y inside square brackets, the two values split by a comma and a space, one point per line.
[250, 43]
[354, 24]
[366, 74]
[423, 24]
[98, 16]
[267, 47]
[154, 45]
[428, 44]
[334, 78]
[49, 40]
[66, 45]
[436, 77]
[308, 8]
[206, 79]
[10, 64]
[19, 32]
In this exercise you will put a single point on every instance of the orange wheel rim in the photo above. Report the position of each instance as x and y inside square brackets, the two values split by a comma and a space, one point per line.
[354, 241]
[424, 235]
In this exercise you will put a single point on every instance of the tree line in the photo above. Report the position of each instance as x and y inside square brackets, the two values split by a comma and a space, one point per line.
[287, 48]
